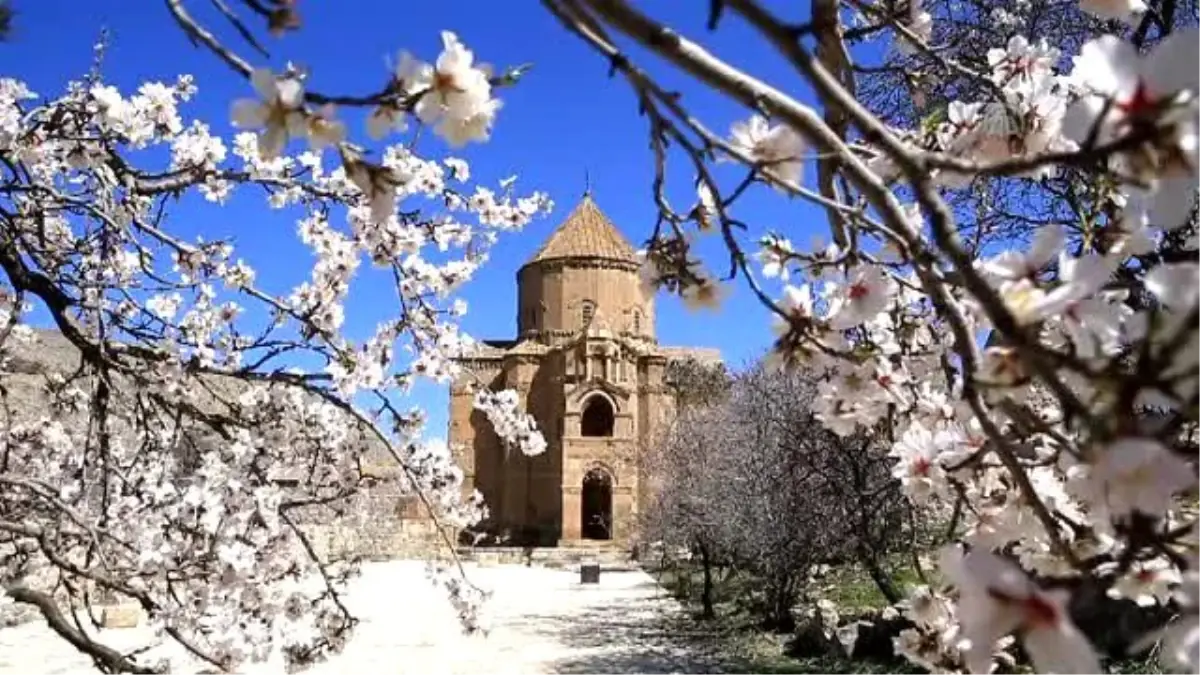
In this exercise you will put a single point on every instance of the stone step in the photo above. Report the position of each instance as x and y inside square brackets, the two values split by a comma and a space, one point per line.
[588, 544]
[609, 556]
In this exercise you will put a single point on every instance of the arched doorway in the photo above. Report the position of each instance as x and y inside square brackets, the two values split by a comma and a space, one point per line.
[596, 511]
[598, 417]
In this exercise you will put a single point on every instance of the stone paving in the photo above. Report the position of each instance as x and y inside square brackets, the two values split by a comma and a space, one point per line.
[542, 621]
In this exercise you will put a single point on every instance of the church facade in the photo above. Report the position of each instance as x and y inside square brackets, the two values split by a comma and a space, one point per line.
[589, 368]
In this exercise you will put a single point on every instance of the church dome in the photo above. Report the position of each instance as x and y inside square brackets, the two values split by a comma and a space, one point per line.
[586, 234]
[584, 275]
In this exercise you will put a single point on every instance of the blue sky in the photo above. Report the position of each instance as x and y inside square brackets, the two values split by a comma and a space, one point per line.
[566, 117]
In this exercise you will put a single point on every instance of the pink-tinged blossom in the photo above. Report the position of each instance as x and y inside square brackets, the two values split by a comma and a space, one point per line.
[797, 304]
[1099, 326]
[1079, 279]
[797, 301]
[962, 121]
[996, 599]
[1121, 92]
[865, 291]
[1024, 119]
[277, 112]
[918, 466]
[778, 149]
[1022, 60]
[1147, 582]
[1138, 474]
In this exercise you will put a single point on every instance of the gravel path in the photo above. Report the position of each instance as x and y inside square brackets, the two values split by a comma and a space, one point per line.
[543, 621]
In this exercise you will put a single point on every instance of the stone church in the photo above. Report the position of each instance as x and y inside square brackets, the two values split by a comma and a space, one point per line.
[588, 367]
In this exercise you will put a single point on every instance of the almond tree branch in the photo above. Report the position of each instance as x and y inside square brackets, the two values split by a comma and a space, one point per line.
[757, 95]
[106, 658]
[389, 94]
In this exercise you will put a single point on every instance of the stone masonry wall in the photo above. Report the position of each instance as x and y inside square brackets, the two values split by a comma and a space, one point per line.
[379, 523]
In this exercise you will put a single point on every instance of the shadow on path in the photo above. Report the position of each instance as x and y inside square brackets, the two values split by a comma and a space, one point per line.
[647, 633]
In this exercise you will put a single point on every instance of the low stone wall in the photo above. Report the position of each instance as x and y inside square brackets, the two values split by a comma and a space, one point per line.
[385, 539]
[380, 522]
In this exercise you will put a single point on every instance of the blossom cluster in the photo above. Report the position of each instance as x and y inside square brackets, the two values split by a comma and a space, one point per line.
[516, 428]
[1046, 392]
[454, 95]
[989, 386]
[174, 459]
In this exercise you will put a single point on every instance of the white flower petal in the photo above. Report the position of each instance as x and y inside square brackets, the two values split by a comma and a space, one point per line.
[1081, 118]
[428, 109]
[295, 123]
[264, 83]
[271, 142]
[291, 92]
[1107, 66]
[1121, 10]
[1175, 285]
[1171, 67]
[1047, 243]
[1060, 648]
[248, 113]
[1173, 202]
[383, 120]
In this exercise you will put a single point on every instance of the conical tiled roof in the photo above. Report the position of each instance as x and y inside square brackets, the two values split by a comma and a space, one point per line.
[586, 233]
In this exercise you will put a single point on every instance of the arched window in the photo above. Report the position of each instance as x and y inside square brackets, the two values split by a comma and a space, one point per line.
[637, 322]
[598, 417]
[588, 311]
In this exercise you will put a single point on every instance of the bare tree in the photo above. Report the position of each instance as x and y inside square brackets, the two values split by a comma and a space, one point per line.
[689, 508]
[753, 480]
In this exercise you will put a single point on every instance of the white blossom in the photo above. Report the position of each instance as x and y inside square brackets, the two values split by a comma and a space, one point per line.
[278, 111]
[455, 94]
[996, 598]
[1138, 474]
[1147, 582]
[191, 523]
[864, 293]
[1121, 90]
[778, 149]
[1128, 11]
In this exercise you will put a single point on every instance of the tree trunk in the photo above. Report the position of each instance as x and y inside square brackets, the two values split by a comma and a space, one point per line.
[706, 594]
[781, 600]
[882, 580]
